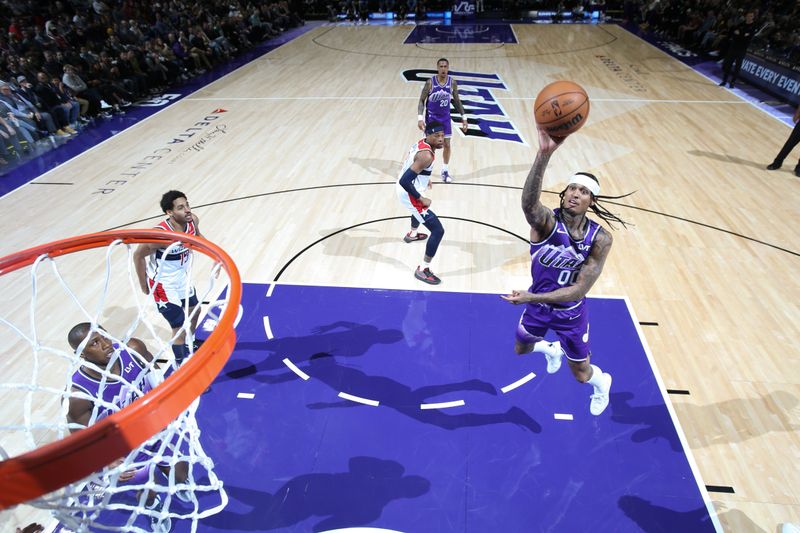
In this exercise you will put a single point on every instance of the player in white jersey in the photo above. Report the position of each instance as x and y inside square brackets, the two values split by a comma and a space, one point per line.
[414, 180]
[167, 277]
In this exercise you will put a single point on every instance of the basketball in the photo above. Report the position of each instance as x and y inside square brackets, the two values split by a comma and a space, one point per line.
[561, 108]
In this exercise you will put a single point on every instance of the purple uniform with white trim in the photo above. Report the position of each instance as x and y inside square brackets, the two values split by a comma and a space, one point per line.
[555, 263]
[119, 393]
[437, 107]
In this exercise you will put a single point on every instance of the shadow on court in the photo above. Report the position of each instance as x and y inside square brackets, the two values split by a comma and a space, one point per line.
[773, 411]
[725, 158]
[342, 339]
[400, 397]
[653, 419]
[656, 519]
[345, 499]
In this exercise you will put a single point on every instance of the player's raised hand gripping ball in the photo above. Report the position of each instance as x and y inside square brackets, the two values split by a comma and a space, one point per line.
[561, 108]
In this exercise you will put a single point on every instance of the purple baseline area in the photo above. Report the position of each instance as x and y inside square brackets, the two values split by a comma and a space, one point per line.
[298, 458]
[461, 33]
[103, 129]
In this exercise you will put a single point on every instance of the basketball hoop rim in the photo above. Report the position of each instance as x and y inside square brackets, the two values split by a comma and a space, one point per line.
[74, 457]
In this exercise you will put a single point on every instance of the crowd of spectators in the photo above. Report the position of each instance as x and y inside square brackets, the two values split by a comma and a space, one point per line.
[359, 10]
[67, 64]
[705, 26]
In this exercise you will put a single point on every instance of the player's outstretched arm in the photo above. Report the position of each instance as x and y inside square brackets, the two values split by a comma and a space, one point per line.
[587, 276]
[539, 217]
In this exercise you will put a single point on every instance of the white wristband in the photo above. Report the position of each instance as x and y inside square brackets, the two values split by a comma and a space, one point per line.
[420, 117]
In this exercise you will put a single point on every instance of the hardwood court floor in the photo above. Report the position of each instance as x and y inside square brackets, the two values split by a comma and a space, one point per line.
[310, 142]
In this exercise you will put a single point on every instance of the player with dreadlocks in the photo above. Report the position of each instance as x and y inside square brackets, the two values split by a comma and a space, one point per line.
[568, 251]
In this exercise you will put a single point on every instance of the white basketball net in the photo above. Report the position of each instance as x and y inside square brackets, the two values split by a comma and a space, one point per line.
[36, 382]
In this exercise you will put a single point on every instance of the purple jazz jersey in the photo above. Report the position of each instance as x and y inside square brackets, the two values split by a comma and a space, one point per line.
[438, 104]
[117, 393]
[555, 263]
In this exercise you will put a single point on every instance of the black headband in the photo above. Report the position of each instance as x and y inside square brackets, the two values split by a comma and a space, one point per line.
[434, 127]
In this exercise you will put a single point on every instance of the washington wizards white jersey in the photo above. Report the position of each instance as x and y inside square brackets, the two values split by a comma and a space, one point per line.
[414, 205]
[168, 274]
[423, 179]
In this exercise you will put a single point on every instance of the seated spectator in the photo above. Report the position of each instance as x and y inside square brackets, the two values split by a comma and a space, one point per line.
[85, 57]
[19, 115]
[81, 91]
[63, 112]
[43, 118]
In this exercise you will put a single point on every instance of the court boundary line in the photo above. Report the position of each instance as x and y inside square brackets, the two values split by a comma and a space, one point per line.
[712, 512]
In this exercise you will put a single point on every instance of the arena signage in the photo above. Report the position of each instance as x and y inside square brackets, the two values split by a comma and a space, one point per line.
[781, 81]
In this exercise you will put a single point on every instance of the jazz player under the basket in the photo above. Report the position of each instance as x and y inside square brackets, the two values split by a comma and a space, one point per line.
[110, 377]
[166, 275]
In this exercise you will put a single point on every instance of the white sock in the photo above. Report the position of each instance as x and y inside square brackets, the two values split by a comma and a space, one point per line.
[595, 379]
[444, 167]
[426, 264]
[542, 347]
[413, 232]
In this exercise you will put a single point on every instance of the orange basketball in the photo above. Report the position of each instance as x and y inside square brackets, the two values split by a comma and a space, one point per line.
[561, 108]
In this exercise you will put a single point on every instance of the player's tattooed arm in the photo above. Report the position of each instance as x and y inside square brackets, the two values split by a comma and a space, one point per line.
[539, 217]
[457, 100]
[423, 98]
[588, 274]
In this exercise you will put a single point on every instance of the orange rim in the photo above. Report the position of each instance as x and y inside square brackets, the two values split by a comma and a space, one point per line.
[74, 457]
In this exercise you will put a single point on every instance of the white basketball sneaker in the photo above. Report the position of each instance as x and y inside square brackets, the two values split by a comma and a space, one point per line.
[599, 400]
[161, 526]
[554, 355]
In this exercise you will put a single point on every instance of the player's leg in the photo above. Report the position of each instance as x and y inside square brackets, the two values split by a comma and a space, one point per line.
[532, 326]
[195, 316]
[176, 317]
[152, 499]
[433, 223]
[176, 472]
[413, 234]
[572, 327]
[448, 132]
[181, 471]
